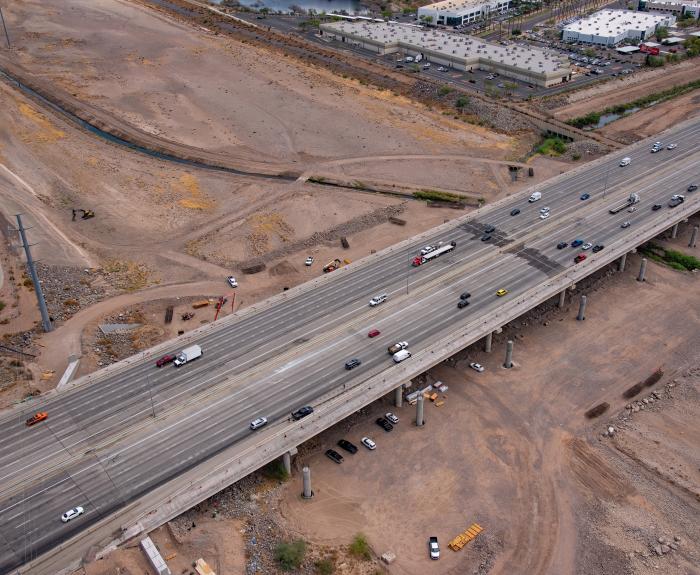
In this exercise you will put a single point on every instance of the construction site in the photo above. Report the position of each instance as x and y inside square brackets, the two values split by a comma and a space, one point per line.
[172, 167]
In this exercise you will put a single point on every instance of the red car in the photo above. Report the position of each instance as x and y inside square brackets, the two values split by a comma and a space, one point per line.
[373, 333]
[165, 360]
[579, 258]
[36, 418]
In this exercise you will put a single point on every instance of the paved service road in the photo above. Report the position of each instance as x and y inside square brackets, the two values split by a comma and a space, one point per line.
[109, 442]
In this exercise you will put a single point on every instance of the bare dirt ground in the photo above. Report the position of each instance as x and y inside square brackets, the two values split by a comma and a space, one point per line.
[625, 89]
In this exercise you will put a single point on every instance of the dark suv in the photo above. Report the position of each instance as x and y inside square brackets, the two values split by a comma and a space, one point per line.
[462, 303]
[384, 424]
[347, 446]
[302, 412]
[334, 455]
[354, 362]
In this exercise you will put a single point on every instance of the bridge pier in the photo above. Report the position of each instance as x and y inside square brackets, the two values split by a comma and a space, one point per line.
[487, 342]
[562, 299]
[509, 355]
[419, 411]
[621, 263]
[398, 396]
[674, 231]
[642, 270]
[287, 461]
[693, 237]
[582, 309]
[307, 493]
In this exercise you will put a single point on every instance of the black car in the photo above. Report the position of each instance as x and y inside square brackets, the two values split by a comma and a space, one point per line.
[347, 446]
[384, 424]
[692, 187]
[302, 412]
[514, 212]
[354, 362]
[489, 229]
[485, 237]
[562, 245]
[334, 455]
[465, 295]
[597, 248]
[462, 303]
[656, 207]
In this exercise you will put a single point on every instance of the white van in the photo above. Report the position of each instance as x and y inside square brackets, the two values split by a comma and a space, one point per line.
[625, 161]
[535, 196]
[399, 356]
[376, 300]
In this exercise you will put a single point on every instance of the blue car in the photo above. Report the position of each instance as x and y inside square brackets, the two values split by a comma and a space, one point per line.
[585, 196]
[576, 243]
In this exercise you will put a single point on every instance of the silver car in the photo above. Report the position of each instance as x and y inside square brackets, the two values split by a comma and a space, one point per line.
[72, 514]
[258, 423]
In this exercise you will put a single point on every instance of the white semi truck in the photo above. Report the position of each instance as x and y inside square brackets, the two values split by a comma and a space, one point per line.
[188, 354]
[633, 199]
[420, 260]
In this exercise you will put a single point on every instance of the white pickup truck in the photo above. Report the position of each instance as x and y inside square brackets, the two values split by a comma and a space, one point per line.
[188, 354]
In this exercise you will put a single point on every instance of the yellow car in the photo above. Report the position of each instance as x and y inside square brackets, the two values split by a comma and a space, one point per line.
[501, 292]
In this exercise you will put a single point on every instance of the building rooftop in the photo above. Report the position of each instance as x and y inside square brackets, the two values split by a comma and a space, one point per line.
[455, 5]
[615, 22]
[453, 45]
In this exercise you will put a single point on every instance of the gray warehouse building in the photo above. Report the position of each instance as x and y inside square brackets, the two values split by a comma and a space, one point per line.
[456, 51]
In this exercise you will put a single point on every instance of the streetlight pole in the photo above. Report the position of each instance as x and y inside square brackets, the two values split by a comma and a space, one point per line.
[4, 27]
[148, 385]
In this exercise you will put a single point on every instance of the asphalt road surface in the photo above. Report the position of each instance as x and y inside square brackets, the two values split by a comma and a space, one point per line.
[108, 443]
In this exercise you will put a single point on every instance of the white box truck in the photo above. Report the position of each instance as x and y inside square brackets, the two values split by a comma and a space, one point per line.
[188, 354]
[535, 196]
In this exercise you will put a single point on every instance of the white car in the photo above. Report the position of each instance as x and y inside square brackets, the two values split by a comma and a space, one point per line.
[391, 417]
[258, 423]
[232, 281]
[625, 225]
[544, 210]
[587, 246]
[544, 216]
[426, 65]
[441, 69]
[476, 367]
[309, 261]
[671, 146]
[368, 443]
[632, 209]
[72, 514]
[625, 161]
[426, 250]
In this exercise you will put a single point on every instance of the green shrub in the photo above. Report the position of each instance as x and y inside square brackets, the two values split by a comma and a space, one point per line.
[360, 548]
[436, 196]
[552, 147]
[290, 555]
[444, 90]
[672, 258]
[461, 102]
[324, 567]
[575, 157]
[2, 305]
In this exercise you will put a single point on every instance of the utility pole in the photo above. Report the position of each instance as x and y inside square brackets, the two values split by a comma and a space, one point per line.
[7, 36]
[45, 319]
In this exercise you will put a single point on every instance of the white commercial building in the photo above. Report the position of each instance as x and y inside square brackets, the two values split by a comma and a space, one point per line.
[610, 27]
[457, 12]
[680, 9]
[456, 51]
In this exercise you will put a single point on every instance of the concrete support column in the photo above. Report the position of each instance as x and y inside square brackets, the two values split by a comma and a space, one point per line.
[642, 270]
[487, 342]
[509, 354]
[621, 263]
[287, 461]
[562, 299]
[674, 231]
[398, 396]
[306, 474]
[419, 411]
[693, 237]
[582, 308]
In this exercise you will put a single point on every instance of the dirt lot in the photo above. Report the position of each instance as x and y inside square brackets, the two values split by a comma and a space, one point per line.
[625, 89]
